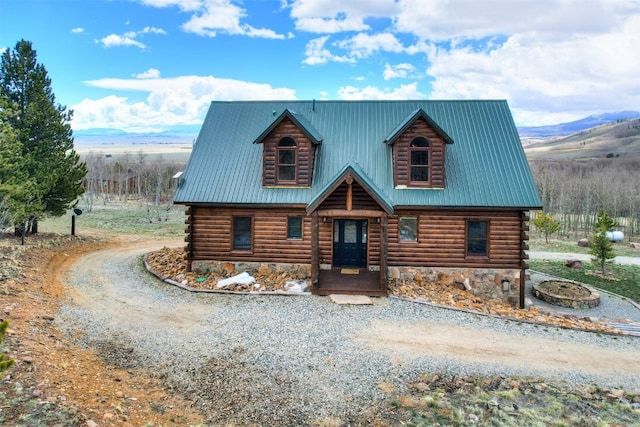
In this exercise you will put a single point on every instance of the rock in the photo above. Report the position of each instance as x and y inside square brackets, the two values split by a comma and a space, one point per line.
[635, 245]
[574, 263]
[583, 243]
[228, 268]
[91, 423]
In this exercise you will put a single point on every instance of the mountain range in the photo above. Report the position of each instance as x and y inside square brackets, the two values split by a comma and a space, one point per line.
[565, 129]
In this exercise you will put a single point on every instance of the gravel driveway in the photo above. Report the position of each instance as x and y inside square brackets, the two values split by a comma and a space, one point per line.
[300, 360]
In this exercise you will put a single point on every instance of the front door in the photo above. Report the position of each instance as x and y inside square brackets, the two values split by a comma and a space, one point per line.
[350, 243]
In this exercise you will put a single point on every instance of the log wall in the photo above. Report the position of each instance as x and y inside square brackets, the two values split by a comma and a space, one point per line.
[442, 240]
[209, 235]
[305, 154]
[436, 157]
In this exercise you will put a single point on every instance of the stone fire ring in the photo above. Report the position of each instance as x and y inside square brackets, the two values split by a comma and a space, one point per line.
[590, 300]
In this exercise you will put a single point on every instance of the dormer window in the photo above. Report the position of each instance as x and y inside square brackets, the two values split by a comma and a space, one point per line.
[419, 156]
[287, 156]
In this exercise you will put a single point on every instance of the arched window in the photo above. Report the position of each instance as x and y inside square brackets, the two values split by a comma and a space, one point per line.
[287, 161]
[419, 156]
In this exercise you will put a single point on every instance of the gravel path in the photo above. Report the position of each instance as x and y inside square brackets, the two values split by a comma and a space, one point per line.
[301, 360]
[559, 256]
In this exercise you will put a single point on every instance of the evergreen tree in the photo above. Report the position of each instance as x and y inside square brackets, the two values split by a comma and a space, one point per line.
[600, 247]
[546, 223]
[44, 133]
[16, 188]
[4, 363]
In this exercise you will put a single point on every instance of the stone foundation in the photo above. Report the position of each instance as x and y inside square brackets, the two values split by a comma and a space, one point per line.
[227, 269]
[482, 282]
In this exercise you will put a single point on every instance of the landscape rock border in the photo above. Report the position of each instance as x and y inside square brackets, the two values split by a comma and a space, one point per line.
[171, 281]
[578, 302]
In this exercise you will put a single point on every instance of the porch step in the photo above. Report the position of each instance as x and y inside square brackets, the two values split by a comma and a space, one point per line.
[343, 299]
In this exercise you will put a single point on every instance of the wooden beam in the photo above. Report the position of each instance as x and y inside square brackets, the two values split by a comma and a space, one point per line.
[315, 250]
[384, 237]
[523, 278]
[349, 195]
[343, 213]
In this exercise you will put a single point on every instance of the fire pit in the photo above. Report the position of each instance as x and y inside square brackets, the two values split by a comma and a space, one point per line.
[565, 293]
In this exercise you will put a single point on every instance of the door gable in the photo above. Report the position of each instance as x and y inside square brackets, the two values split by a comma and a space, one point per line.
[350, 175]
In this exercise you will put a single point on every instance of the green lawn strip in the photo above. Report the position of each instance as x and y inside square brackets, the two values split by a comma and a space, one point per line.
[625, 279]
[571, 246]
[503, 401]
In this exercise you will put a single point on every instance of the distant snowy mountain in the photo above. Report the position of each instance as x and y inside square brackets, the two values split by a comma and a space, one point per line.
[564, 129]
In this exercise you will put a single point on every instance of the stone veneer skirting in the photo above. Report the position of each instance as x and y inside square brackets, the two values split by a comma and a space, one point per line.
[482, 282]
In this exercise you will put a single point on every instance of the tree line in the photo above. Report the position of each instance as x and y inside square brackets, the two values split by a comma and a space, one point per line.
[576, 191]
[136, 176]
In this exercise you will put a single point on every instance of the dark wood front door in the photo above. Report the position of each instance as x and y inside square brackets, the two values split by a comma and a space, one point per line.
[350, 243]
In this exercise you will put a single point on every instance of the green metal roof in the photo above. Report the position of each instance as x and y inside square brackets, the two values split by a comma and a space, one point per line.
[300, 120]
[485, 166]
[408, 121]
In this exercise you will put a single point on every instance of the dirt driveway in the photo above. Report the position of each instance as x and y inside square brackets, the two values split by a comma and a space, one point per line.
[315, 358]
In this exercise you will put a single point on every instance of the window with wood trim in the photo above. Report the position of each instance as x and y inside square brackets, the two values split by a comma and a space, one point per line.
[294, 227]
[477, 239]
[408, 229]
[419, 158]
[287, 157]
[242, 236]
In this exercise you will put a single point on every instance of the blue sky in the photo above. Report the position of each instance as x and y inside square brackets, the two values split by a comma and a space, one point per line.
[150, 65]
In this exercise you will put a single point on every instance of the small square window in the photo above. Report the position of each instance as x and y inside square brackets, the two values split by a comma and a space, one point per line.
[409, 229]
[294, 227]
[242, 232]
[477, 238]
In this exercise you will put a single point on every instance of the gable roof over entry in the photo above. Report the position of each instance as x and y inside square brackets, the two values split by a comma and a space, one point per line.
[485, 164]
[355, 172]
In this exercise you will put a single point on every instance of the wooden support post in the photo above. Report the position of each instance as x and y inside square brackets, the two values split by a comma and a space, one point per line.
[73, 225]
[523, 280]
[384, 238]
[315, 250]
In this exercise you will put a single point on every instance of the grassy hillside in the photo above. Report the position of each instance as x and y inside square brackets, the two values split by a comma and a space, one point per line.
[614, 139]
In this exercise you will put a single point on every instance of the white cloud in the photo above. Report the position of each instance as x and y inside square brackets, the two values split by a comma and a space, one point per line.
[408, 91]
[151, 73]
[185, 5]
[573, 75]
[330, 16]
[317, 54]
[211, 17]
[364, 45]
[401, 71]
[129, 38]
[170, 101]
[451, 19]
[77, 30]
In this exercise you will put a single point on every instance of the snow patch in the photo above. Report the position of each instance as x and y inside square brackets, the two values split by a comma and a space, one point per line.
[240, 279]
[295, 286]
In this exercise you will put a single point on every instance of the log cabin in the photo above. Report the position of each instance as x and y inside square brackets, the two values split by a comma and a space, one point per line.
[361, 194]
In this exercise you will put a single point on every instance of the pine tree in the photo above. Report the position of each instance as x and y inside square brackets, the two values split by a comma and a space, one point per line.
[16, 188]
[546, 223]
[4, 363]
[600, 247]
[44, 132]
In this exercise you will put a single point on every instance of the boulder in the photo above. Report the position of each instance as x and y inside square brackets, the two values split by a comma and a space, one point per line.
[635, 245]
[574, 263]
[583, 243]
